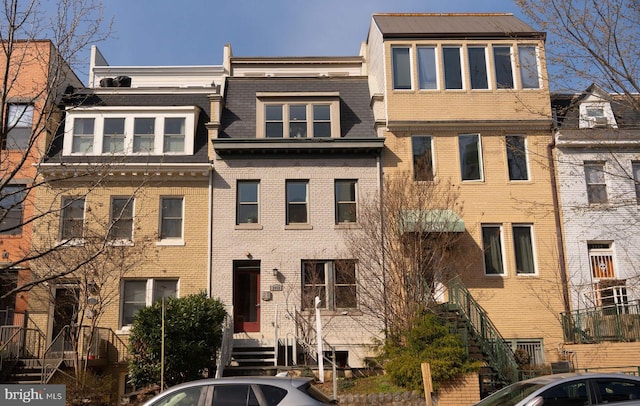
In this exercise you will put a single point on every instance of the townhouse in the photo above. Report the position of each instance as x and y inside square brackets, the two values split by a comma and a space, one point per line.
[295, 154]
[34, 75]
[464, 100]
[598, 171]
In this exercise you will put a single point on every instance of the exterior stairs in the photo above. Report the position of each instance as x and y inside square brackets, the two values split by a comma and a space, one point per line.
[26, 371]
[252, 359]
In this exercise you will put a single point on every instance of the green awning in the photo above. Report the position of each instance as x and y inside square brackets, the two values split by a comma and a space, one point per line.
[433, 220]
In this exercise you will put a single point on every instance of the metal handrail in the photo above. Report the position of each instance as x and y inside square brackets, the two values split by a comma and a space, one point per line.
[617, 323]
[223, 358]
[493, 345]
[55, 354]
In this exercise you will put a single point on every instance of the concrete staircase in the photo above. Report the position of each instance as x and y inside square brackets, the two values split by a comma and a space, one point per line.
[251, 359]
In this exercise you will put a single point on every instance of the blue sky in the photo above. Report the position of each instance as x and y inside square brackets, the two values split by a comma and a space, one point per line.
[193, 32]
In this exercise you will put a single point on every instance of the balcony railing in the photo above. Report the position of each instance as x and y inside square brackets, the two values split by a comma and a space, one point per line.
[620, 323]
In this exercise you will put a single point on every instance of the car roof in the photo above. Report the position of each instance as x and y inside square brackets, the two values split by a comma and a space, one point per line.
[276, 380]
[547, 379]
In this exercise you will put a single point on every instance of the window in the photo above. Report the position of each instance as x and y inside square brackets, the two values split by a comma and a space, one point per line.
[614, 390]
[334, 282]
[427, 73]
[567, 393]
[247, 198]
[635, 167]
[478, 67]
[140, 293]
[492, 248]
[523, 249]
[171, 217]
[144, 134]
[596, 186]
[452, 68]
[530, 350]
[300, 120]
[517, 157]
[174, 134]
[113, 140]
[470, 156]
[297, 206]
[119, 130]
[611, 295]
[72, 218]
[528, 67]
[504, 72]
[234, 395]
[121, 219]
[11, 209]
[401, 68]
[422, 157]
[83, 131]
[346, 206]
[185, 397]
[601, 259]
[19, 126]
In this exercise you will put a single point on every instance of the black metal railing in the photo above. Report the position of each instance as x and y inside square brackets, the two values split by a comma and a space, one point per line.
[497, 352]
[617, 323]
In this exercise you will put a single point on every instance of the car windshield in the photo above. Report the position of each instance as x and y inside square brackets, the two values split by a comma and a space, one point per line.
[510, 395]
[315, 393]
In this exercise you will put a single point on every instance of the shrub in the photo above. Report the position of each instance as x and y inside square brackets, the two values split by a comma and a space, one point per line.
[429, 340]
[193, 335]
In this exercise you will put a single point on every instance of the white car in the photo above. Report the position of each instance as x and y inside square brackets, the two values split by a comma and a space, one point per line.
[243, 391]
[571, 389]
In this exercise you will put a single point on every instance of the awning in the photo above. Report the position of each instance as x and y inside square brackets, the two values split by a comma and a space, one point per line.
[433, 220]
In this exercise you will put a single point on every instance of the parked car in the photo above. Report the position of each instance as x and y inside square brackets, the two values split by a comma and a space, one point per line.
[243, 391]
[568, 390]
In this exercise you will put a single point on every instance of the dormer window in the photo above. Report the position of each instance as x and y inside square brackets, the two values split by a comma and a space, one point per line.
[288, 116]
[130, 131]
[596, 115]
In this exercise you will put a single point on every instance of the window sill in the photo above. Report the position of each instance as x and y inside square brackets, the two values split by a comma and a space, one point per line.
[168, 243]
[337, 312]
[76, 242]
[248, 226]
[298, 227]
[120, 243]
[124, 330]
[527, 275]
[346, 225]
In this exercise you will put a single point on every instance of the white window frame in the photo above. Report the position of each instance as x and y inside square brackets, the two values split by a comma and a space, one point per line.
[502, 252]
[171, 240]
[19, 123]
[533, 249]
[150, 285]
[411, 69]
[66, 202]
[413, 158]
[480, 158]
[130, 200]
[288, 223]
[512, 65]
[526, 157]
[159, 113]
[287, 99]
[601, 255]
[328, 302]
[522, 67]
[353, 202]
[595, 167]
[464, 68]
[437, 60]
[467, 66]
[240, 203]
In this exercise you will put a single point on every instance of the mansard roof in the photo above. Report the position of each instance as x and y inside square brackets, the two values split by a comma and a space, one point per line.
[239, 113]
[453, 26]
[166, 97]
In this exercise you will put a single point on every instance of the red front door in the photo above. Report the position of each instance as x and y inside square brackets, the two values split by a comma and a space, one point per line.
[246, 296]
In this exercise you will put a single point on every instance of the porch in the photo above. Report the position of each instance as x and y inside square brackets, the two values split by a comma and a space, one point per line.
[614, 323]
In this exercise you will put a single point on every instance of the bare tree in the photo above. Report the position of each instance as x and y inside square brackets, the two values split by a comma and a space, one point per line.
[405, 248]
[35, 73]
[591, 42]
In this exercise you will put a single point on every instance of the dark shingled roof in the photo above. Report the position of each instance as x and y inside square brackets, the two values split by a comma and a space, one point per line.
[239, 114]
[453, 26]
[83, 99]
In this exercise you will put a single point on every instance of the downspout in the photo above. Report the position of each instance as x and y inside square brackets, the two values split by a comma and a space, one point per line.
[210, 233]
[560, 240]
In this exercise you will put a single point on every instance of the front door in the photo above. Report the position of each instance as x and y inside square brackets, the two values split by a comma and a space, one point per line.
[65, 312]
[246, 296]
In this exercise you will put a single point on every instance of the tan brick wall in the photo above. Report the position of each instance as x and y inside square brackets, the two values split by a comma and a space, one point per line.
[464, 392]
[187, 262]
[620, 357]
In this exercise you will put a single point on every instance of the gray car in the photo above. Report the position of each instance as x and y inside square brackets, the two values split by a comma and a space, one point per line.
[569, 390]
[243, 391]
